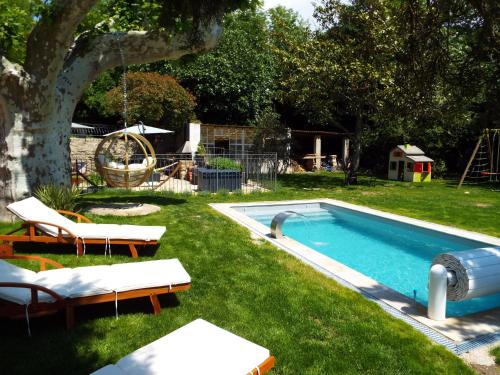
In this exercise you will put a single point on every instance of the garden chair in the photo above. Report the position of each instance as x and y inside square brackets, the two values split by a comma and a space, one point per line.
[196, 348]
[42, 224]
[25, 293]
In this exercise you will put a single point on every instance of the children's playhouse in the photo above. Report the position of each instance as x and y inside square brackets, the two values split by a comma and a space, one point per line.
[409, 163]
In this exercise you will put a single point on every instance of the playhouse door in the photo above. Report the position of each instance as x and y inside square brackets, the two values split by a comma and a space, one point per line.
[401, 171]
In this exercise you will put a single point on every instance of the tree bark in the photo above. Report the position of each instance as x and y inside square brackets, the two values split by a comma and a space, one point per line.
[37, 101]
[352, 177]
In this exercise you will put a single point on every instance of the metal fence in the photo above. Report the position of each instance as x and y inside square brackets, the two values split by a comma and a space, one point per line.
[183, 173]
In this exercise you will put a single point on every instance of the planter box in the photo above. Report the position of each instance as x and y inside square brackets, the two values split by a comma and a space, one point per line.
[213, 180]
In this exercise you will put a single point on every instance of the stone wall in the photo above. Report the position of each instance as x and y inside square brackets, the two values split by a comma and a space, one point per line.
[83, 147]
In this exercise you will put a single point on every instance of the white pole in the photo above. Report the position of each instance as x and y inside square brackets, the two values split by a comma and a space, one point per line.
[438, 283]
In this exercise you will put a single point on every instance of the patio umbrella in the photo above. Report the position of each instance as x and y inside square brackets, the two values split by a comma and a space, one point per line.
[187, 149]
[75, 125]
[142, 129]
[81, 129]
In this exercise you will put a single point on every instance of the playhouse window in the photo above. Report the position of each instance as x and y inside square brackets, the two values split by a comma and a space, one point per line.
[393, 165]
[425, 167]
[409, 167]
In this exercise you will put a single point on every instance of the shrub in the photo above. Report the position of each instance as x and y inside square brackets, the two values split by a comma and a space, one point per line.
[155, 99]
[224, 163]
[58, 197]
[439, 169]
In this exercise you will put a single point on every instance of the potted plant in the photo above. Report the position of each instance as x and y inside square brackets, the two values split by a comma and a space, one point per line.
[220, 173]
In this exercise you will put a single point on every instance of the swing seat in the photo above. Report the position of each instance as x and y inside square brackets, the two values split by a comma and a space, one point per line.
[125, 174]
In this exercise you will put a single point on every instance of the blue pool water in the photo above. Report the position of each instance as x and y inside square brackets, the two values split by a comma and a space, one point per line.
[395, 254]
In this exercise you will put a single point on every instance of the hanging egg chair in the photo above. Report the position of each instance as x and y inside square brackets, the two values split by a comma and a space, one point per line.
[124, 159]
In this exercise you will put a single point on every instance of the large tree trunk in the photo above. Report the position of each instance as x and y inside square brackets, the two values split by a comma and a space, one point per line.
[32, 153]
[352, 177]
[37, 101]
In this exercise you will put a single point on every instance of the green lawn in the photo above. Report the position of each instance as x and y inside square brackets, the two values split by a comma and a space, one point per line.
[310, 323]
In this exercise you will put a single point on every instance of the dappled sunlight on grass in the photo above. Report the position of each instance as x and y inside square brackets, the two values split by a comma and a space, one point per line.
[309, 322]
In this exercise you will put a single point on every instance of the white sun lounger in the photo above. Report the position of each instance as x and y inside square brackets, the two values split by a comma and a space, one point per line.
[28, 293]
[43, 224]
[196, 348]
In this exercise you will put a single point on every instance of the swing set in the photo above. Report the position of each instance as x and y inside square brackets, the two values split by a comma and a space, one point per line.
[483, 165]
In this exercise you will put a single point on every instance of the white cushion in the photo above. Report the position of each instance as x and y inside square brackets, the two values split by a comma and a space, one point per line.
[34, 210]
[148, 161]
[96, 280]
[93, 280]
[109, 370]
[135, 166]
[75, 282]
[197, 348]
[139, 275]
[117, 232]
[12, 273]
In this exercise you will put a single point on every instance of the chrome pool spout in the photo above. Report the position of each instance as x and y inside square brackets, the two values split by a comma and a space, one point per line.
[278, 220]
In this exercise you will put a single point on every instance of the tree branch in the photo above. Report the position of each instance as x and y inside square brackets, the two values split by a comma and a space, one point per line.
[93, 55]
[51, 38]
[12, 80]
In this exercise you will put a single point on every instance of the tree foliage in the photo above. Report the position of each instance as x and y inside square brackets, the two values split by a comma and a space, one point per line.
[400, 71]
[17, 18]
[152, 98]
[236, 81]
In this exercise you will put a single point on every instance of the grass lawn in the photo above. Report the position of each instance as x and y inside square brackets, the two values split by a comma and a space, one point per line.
[310, 323]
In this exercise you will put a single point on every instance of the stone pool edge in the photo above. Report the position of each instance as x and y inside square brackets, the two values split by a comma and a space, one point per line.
[457, 333]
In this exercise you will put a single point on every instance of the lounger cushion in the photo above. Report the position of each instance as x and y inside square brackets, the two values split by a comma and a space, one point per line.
[118, 232]
[150, 274]
[12, 273]
[74, 282]
[110, 370]
[197, 348]
[33, 210]
[96, 280]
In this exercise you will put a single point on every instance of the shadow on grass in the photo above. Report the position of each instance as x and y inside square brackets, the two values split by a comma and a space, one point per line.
[75, 353]
[129, 198]
[489, 186]
[17, 347]
[40, 248]
[324, 180]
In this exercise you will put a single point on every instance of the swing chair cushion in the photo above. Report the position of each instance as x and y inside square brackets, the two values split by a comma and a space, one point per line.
[148, 161]
[135, 166]
[125, 174]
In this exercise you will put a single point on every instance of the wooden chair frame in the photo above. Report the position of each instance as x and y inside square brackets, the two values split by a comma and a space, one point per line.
[33, 233]
[265, 366]
[35, 308]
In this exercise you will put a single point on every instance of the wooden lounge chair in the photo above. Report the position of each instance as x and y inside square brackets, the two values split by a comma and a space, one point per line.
[42, 224]
[196, 348]
[24, 293]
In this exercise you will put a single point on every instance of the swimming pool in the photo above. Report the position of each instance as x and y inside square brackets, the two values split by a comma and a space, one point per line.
[394, 253]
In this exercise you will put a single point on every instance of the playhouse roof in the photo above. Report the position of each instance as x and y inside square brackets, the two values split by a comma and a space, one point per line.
[419, 158]
[411, 150]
